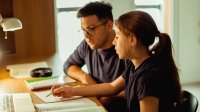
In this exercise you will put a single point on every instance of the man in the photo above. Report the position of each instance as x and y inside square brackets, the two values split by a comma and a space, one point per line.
[96, 51]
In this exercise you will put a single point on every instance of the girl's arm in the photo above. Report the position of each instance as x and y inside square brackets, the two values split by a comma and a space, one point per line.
[149, 104]
[103, 89]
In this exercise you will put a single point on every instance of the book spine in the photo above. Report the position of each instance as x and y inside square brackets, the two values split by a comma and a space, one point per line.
[41, 88]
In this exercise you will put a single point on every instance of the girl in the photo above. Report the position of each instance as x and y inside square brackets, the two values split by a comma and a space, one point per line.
[151, 79]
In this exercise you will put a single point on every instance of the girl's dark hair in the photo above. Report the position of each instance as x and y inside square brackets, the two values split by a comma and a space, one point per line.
[102, 10]
[142, 25]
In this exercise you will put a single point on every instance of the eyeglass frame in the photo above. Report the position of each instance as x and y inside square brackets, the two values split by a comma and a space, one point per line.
[92, 28]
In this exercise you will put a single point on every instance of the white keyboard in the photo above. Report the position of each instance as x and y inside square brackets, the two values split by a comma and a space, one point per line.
[6, 103]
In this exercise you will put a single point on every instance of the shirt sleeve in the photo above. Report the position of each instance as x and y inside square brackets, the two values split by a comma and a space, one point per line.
[149, 84]
[77, 57]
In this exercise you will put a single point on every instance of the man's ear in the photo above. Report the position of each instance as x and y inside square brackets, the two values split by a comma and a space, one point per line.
[109, 25]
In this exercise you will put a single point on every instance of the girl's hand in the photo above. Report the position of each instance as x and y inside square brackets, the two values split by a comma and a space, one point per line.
[62, 91]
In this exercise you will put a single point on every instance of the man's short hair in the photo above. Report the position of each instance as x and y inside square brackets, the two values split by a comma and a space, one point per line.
[101, 9]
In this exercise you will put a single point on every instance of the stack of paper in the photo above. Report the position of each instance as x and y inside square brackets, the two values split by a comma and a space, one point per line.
[23, 70]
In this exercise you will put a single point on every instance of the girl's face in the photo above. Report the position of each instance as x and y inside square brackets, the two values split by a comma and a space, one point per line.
[125, 46]
[119, 43]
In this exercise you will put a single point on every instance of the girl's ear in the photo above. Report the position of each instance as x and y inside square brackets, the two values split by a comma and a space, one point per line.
[133, 40]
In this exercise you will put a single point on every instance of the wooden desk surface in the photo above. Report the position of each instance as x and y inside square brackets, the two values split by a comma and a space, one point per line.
[13, 85]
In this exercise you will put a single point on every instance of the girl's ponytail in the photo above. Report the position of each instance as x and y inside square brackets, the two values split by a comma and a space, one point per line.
[163, 52]
[163, 49]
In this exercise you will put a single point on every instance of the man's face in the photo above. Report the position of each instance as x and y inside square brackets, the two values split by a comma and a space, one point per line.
[95, 31]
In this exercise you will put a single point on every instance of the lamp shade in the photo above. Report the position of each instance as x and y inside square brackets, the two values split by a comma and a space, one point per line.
[11, 24]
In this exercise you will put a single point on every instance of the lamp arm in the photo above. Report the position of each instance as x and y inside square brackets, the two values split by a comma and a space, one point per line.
[1, 18]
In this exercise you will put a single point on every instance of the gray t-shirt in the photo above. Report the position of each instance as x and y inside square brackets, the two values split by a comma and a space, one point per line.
[102, 65]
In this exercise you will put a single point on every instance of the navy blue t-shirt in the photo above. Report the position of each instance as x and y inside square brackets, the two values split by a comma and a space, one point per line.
[148, 79]
[102, 65]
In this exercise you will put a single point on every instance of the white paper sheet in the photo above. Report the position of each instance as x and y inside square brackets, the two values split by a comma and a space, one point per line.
[42, 95]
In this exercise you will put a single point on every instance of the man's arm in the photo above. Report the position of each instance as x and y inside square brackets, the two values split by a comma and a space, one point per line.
[72, 66]
[76, 73]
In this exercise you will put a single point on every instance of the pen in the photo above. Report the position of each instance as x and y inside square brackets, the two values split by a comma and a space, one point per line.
[49, 94]
[52, 91]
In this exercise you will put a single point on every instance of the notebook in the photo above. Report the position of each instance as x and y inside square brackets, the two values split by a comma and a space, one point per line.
[17, 102]
[47, 82]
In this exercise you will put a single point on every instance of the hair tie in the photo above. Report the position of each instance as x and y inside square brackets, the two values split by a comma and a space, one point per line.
[157, 35]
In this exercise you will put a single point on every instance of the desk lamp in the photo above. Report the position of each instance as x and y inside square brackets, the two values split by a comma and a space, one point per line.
[10, 24]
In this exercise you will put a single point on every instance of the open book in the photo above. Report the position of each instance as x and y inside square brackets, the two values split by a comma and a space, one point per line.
[47, 82]
[79, 105]
[86, 109]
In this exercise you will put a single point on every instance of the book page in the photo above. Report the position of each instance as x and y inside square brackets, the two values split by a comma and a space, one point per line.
[87, 109]
[23, 70]
[42, 95]
[23, 102]
[71, 104]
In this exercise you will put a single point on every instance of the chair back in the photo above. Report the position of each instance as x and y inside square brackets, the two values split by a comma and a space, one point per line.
[189, 103]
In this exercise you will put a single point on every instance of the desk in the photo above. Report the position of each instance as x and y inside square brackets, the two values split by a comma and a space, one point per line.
[12, 85]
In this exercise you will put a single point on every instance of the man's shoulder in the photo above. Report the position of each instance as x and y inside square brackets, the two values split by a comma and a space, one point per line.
[84, 46]
[83, 43]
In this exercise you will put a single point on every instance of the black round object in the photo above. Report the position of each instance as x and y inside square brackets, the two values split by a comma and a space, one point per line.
[41, 72]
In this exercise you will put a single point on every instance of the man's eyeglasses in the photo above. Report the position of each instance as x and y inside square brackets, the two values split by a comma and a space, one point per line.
[91, 29]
